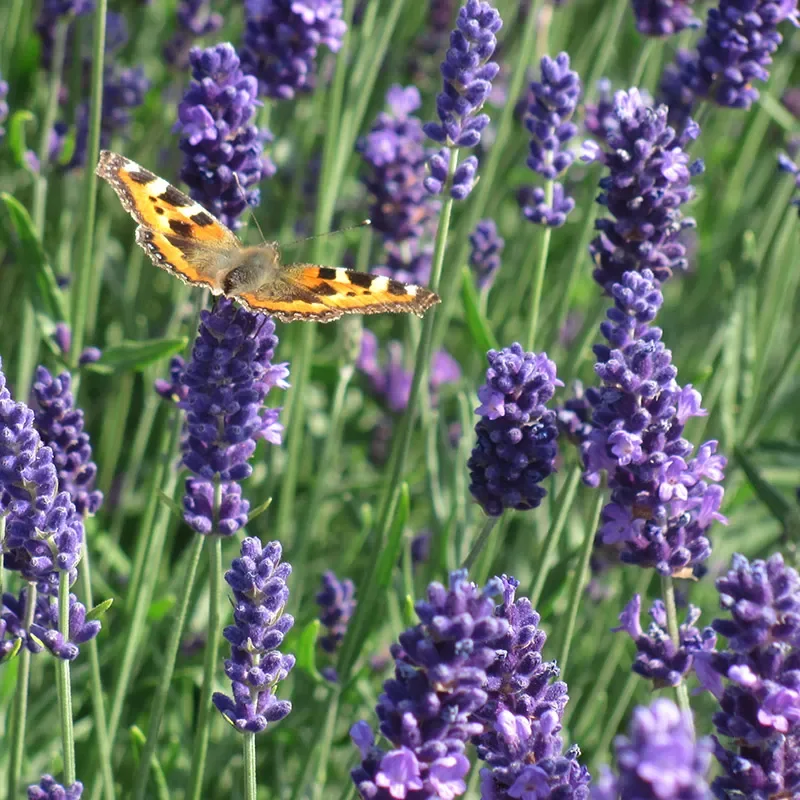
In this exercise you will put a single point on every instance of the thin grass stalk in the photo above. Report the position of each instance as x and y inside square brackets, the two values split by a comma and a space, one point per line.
[668, 592]
[483, 537]
[611, 724]
[538, 275]
[325, 746]
[210, 664]
[250, 778]
[64, 684]
[12, 35]
[165, 679]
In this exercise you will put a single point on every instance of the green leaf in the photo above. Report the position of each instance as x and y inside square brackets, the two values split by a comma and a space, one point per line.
[44, 293]
[306, 651]
[477, 323]
[160, 608]
[136, 356]
[409, 614]
[16, 137]
[170, 504]
[259, 510]
[100, 609]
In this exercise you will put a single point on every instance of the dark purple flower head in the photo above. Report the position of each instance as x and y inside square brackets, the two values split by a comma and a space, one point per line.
[515, 447]
[392, 381]
[173, 389]
[60, 425]
[393, 150]
[468, 73]
[408, 261]
[258, 580]
[48, 789]
[648, 181]
[663, 17]
[224, 159]
[226, 381]
[673, 91]
[551, 104]
[657, 657]
[574, 418]
[426, 710]
[785, 164]
[736, 50]
[281, 39]
[523, 714]
[662, 501]
[195, 19]
[337, 604]
[485, 252]
[659, 760]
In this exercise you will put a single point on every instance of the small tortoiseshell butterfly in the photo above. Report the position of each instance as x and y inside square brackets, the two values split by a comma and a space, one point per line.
[180, 236]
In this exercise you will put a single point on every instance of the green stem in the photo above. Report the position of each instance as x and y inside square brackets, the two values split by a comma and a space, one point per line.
[162, 691]
[17, 734]
[611, 724]
[325, 746]
[480, 542]
[85, 268]
[64, 684]
[211, 657]
[96, 686]
[12, 35]
[579, 581]
[641, 63]
[250, 784]
[538, 276]
[668, 591]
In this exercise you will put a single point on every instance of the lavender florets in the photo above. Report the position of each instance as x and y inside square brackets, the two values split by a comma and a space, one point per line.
[515, 449]
[337, 603]
[785, 164]
[663, 17]
[258, 580]
[486, 248]
[224, 158]
[49, 789]
[662, 503]
[195, 19]
[648, 181]
[468, 73]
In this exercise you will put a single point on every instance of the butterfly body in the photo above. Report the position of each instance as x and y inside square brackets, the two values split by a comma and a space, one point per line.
[180, 236]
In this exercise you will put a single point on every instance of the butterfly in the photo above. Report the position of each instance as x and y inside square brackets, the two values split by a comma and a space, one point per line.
[180, 236]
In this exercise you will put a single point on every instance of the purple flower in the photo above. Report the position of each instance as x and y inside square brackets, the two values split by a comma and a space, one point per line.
[281, 40]
[574, 418]
[400, 209]
[426, 710]
[552, 102]
[662, 502]
[515, 447]
[759, 701]
[434, 37]
[3, 107]
[785, 164]
[195, 19]
[174, 388]
[657, 657]
[468, 73]
[392, 381]
[60, 425]
[258, 580]
[523, 715]
[223, 150]
[48, 789]
[337, 604]
[485, 252]
[648, 181]
[663, 17]
[224, 387]
[659, 759]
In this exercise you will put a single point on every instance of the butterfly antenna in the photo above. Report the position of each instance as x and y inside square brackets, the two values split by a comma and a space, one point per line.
[362, 224]
[252, 212]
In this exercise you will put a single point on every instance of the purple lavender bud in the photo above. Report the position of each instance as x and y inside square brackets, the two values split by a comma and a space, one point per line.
[662, 502]
[468, 74]
[258, 580]
[421, 547]
[485, 251]
[60, 425]
[393, 150]
[226, 382]
[673, 91]
[281, 39]
[408, 261]
[223, 150]
[659, 759]
[663, 17]
[523, 714]
[3, 107]
[195, 19]
[392, 382]
[426, 710]
[63, 338]
[648, 181]
[785, 164]
[48, 789]
[532, 200]
[515, 447]
[89, 355]
[657, 657]
[337, 604]
[173, 389]
[574, 418]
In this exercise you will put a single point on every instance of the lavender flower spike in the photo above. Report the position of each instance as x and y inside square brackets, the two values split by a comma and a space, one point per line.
[663, 17]
[515, 448]
[648, 181]
[48, 789]
[553, 101]
[662, 502]
[426, 710]
[785, 164]
[659, 759]
[337, 603]
[3, 106]
[485, 252]
[226, 382]
[195, 19]
[223, 150]
[468, 74]
[258, 579]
